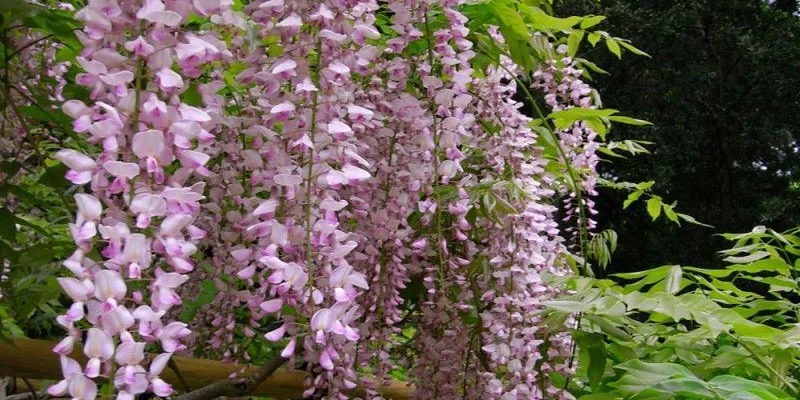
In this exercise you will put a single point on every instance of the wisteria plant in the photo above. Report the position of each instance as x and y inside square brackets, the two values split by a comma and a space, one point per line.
[349, 187]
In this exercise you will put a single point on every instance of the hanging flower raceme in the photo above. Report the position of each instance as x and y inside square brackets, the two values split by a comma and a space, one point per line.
[138, 125]
[561, 82]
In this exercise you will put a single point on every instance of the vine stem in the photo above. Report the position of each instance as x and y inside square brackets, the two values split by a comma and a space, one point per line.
[309, 173]
[766, 365]
[436, 155]
[138, 88]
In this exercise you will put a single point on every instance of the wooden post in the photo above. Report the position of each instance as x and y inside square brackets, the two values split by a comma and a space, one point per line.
[34, 359]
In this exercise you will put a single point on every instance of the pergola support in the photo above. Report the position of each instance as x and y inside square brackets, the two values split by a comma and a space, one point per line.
[34, 359]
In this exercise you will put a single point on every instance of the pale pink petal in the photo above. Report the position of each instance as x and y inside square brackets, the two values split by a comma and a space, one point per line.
[337, 127]
[159, 363]
[193, 113]
[325, 360]
[92, 369]
[287, 179]
[148, 143]
[119, 168]
[272, 306]
[118, 78]
[130, 353]
[277, 334]
[168, 79]
[266, 207]
[166, 18]
[64, 347]
[150, 6]
[75, 289]
[98, 344]
[89, 207]
[288, 351]
[75, 160]
[171, 280]
[354, 173]
[59, 389]
[358, 112]
[161, 388]
[284, 107]
[284, 66]
[82, 388]
[109, 285]
[139, 47]
[292, 21]
[247, 272]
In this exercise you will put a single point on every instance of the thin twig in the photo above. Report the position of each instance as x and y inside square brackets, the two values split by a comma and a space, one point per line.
[230, 388]
[31, 388]
[766, 365]
[42, 395]
[177, 371]
[29, 44]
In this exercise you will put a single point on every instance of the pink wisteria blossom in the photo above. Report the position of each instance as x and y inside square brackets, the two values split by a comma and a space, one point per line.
[304, 162]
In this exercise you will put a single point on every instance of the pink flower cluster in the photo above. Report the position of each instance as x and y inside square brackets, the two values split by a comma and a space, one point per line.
[338, 164]
[144, 191]
[561, 82]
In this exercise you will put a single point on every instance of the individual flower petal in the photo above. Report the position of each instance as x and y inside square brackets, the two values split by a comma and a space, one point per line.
[277, 334]
[123, 169]
[148, 143]
[354, 173]
[109, 285]
[168, 79]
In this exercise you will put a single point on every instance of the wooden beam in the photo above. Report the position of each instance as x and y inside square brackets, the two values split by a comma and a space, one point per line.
[34, 359]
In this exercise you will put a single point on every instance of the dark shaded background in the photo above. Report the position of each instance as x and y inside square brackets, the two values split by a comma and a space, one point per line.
[722, 90]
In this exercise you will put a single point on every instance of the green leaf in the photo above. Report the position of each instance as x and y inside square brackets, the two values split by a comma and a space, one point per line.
[771, 264]
[36, 256]
[208, 290]
[598, 126]
[673, 280]
[613, 47]
[640, 375]
[628, 120]
[654, 207]
[658, 273]
[593, 38]
[645, 185]
[631, 198]
[568, 305]
[669, 212]
[512, 20]
[8, 229]
[55, 177]
[692, 220]
[579, 113]
[590, 65]
[748, 258]
[595, 348]
[192, 96]
[685, 386]
[10, 167]
[730, 384]
[591, 21]
[754, 330]
[633, 49]
[543, 21]
[574, 42]
[608, 327]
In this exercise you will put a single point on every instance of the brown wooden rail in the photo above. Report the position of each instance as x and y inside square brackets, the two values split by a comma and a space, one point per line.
[34, 359]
